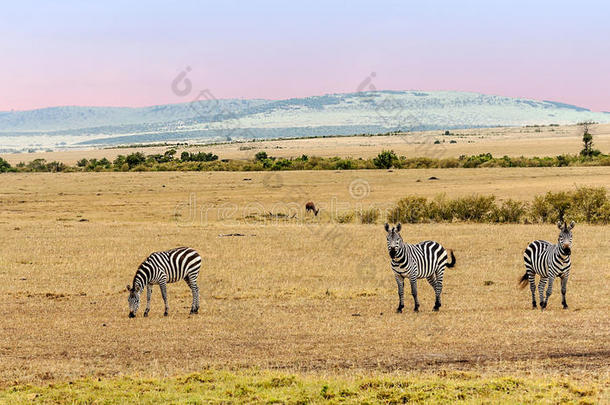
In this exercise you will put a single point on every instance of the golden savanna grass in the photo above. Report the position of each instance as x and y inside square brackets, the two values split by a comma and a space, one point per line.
[303, 297]
[511, 141]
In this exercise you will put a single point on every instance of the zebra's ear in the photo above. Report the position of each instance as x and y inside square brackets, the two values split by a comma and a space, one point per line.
[387, 227]
[128, 288]
[572, 225]
[398, 227]
[559, 224]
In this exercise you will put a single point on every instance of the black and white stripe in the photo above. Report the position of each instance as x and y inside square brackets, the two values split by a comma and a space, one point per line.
[160, 268]
[548, 261]
[423, 260]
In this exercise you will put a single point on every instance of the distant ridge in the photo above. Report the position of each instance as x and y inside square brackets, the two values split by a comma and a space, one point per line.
[234, 119]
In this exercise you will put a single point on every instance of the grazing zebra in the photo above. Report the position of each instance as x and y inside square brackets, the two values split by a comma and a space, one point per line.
[423, 260]
[182, 263]
[548, 261]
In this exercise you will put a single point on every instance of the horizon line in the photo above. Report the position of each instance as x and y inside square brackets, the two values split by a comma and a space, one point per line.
[293, 98]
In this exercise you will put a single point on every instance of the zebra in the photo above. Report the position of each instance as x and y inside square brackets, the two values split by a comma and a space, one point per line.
[160, 268]
[548, 261]
[423, 260]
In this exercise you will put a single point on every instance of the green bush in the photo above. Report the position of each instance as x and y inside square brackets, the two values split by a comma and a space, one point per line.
[260, 156]
[4, 166]
[511, 211]
[550, 207]
[135, 159]
[410, 210]
[385, 160]
[586, 204]
[477, 208]
[440, 209]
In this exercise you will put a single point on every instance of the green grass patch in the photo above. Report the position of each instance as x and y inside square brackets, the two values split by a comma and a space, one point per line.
[251, 386]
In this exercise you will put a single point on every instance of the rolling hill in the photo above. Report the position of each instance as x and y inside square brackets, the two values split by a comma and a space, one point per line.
[333, 114]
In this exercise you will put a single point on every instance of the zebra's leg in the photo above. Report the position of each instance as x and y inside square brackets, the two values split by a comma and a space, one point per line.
[414, 293]
[400, 281]
[549, 290]
[148, 294]
[541, 286]
[163, 287]
[531, 276]
[564, 288]
[192, 282]
[432, 281]
[438, 289]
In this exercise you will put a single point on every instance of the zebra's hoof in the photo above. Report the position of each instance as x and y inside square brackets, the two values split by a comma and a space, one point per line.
[165, 314]
[565, 306]
[416, 309]
[194, 311]
[145, 314]
[435, 309]
[399, 310]
[534, 306]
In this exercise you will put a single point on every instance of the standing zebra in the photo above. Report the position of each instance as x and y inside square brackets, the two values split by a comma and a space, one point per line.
[182, 263]
[423, 260]
[548, 261]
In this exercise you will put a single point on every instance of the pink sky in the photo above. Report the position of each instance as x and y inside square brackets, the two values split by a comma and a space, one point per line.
[118, 55]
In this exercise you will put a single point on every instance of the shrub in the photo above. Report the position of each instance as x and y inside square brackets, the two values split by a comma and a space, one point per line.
[260, 156]
[385, 160]
[410, 210]
[477, 160]
[369, 216]
[198, 157]
[345, 217]
[440, 209]
[344, 164]
[135, 159]
[586, 204]
[511, 211]
[281, 164]
[475, 208]
[4, 166]
[551, 207]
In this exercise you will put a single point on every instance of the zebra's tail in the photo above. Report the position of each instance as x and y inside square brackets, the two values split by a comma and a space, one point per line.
[452, 262]
[523, 281]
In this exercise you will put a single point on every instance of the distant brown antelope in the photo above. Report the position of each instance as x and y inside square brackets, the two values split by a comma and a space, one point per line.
[310, 206]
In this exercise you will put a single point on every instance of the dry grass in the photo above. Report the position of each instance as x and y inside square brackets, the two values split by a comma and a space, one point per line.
[307, 295]
[254, 386]
[511, 141]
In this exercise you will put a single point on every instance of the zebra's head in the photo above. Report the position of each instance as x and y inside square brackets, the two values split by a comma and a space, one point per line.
[565, 236]
[134, 300]
[394, 239]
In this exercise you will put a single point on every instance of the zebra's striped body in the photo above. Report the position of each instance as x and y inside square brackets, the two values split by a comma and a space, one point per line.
[426, 259]
[548, 261]
[160, 268]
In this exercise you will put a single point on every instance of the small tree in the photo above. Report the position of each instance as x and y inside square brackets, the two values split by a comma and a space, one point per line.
[135, 159]
[587, 141]
[260, 156]
[4, 166]
[385, 160]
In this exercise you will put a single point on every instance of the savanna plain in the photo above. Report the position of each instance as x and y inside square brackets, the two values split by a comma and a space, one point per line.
[298, 309]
